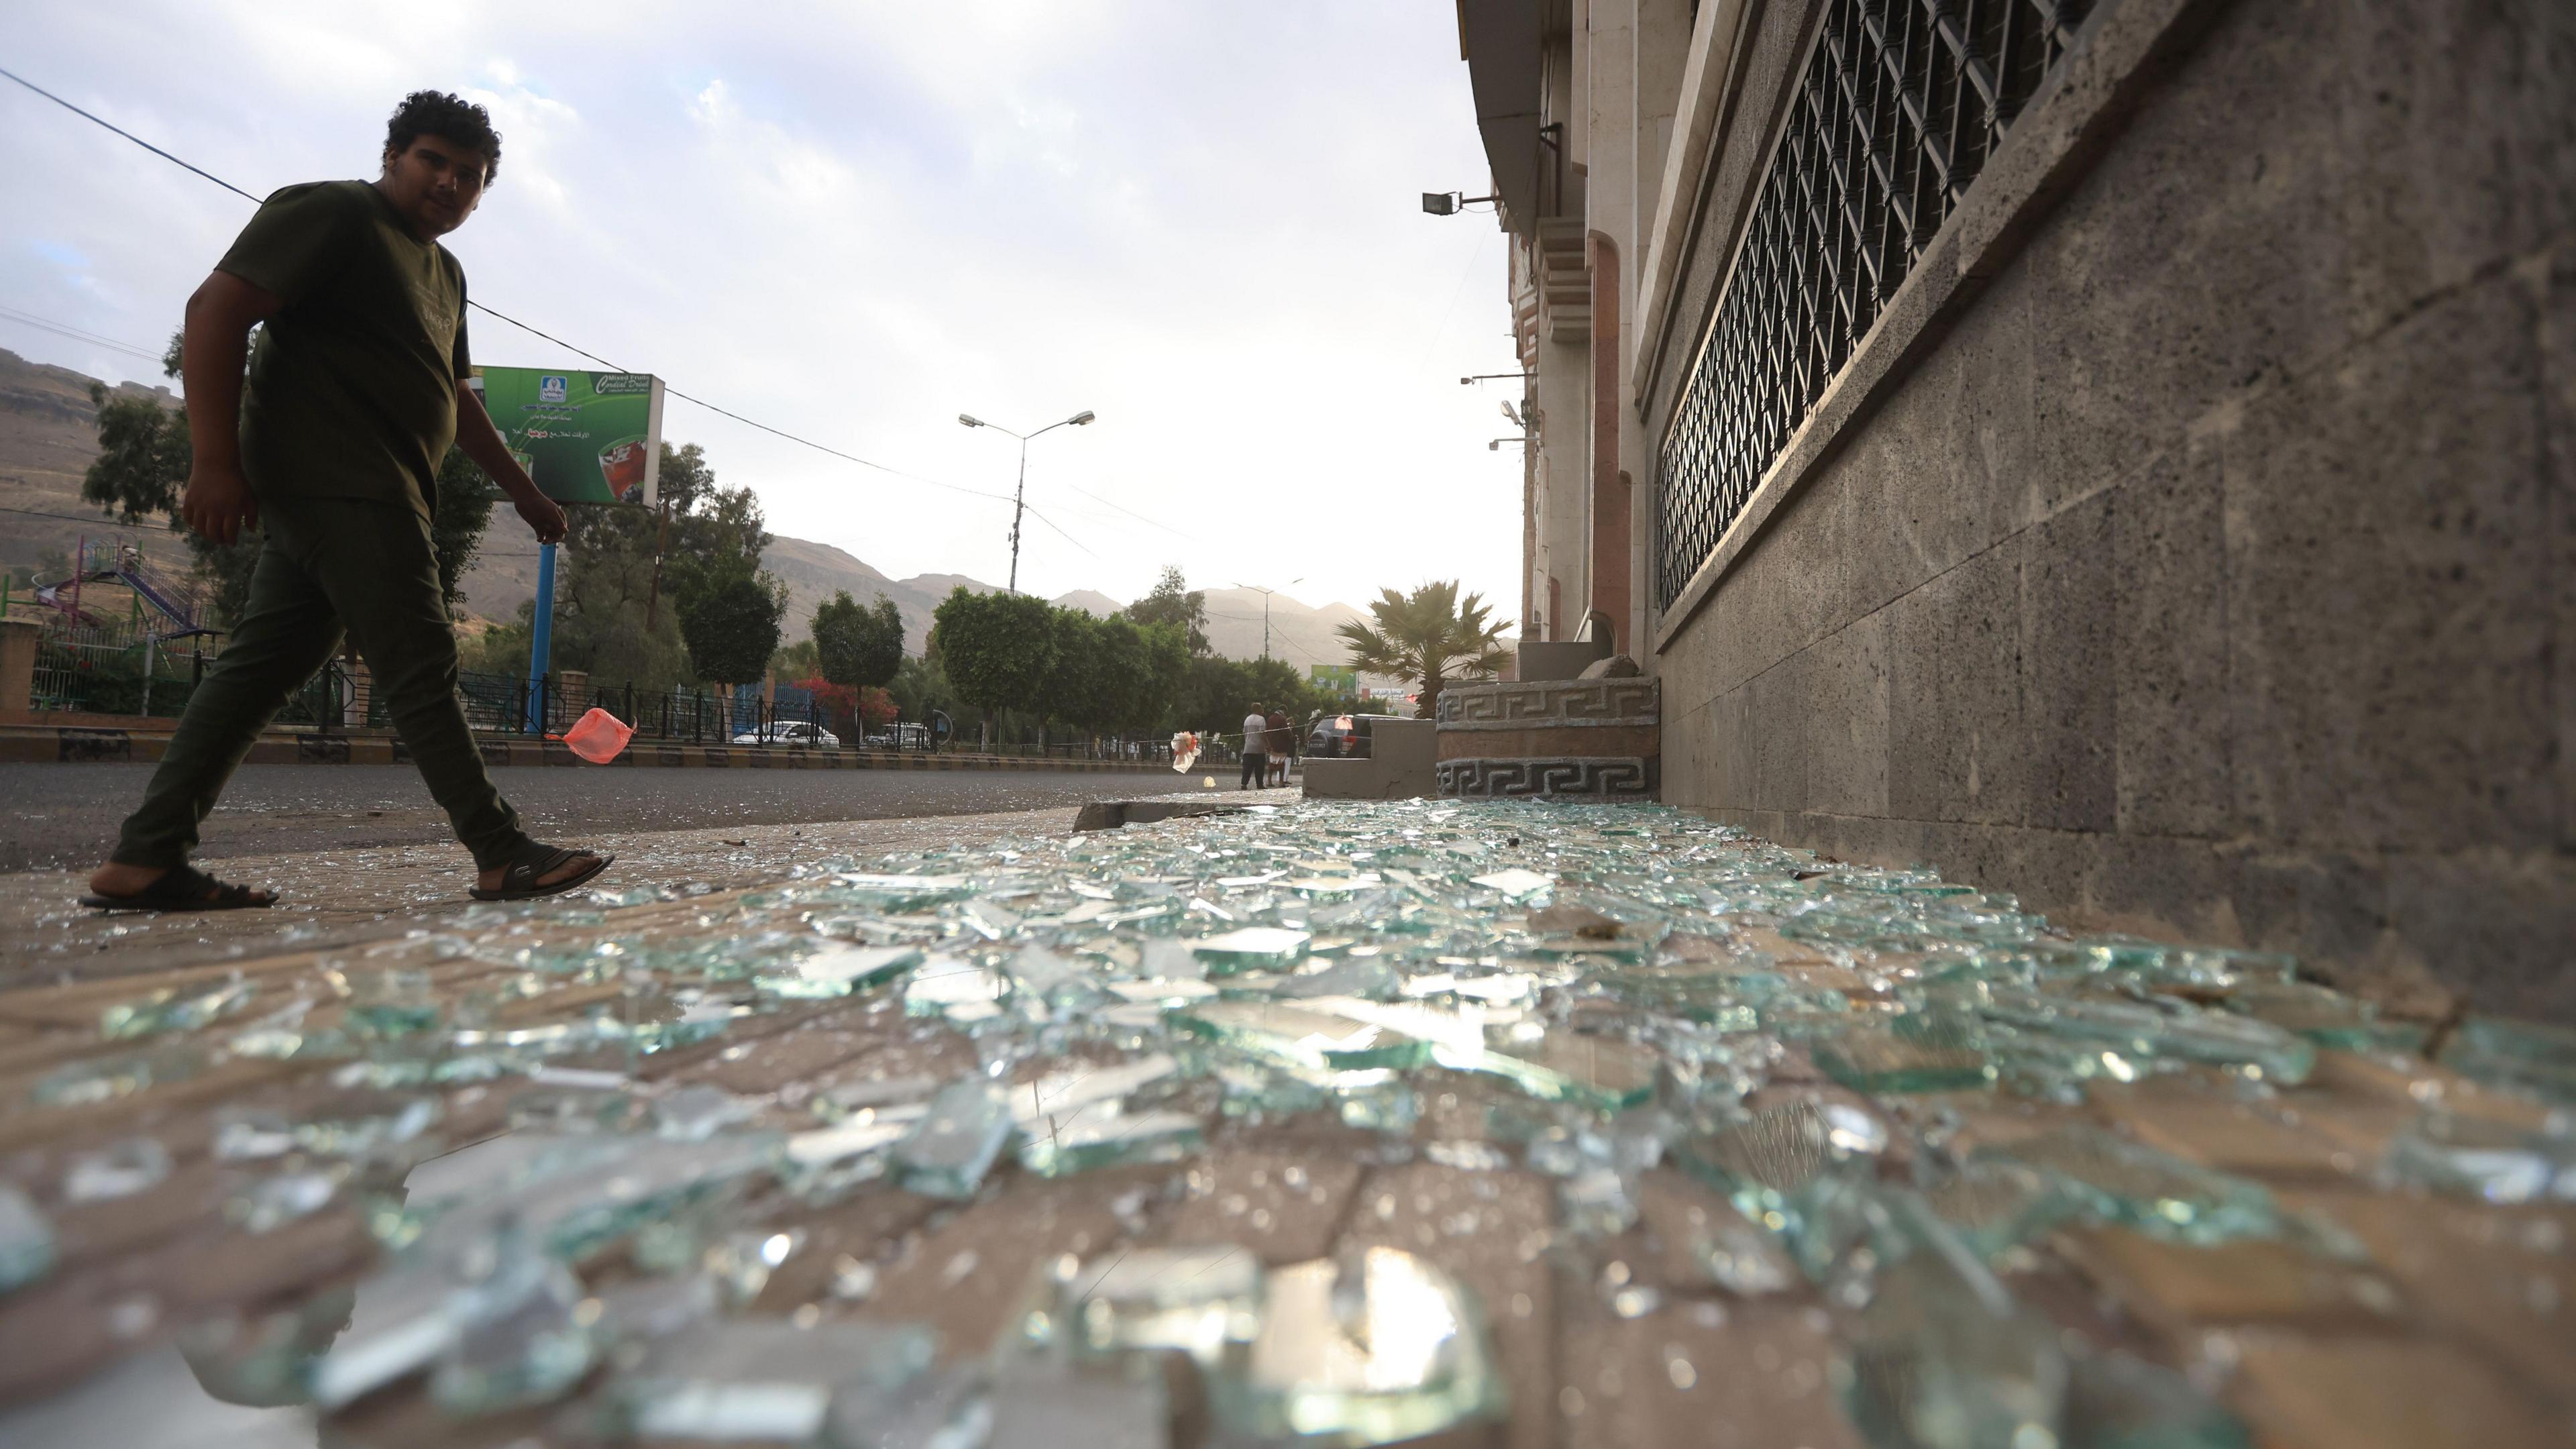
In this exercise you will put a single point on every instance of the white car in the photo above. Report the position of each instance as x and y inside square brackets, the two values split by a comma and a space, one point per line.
[793, 732]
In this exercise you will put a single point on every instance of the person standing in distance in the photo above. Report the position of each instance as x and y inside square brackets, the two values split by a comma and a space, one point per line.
[1256, 751]
[331, 448]
[1279, 733]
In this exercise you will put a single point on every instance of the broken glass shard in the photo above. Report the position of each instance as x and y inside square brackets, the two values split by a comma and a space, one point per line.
[1947, 1057]
[2325, 1016]
[523, 1336]
[1373, 1350]
[2495, 1161]
[175, 1009]
[1202, 1301]
[2524, 1055]
[950, 985]
[1302, 1036]
[839, 969]
[26, 1240]
[403, 1320]
[2129, 1183]
[942, 1409]
[121, 1169]
[1994, 1205]
[696, 1113]
[1052, 1151]
[1516, 883]
[1563, 1066]
[760, 1379]
[902, 892]
[2186, 1033]
[1254, 948]
[951, 1148]
[392, 1002]
[273, 1202]
[1942, 1358]
[1041, 1410]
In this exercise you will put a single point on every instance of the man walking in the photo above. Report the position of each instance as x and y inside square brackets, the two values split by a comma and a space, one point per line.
[1256, 751]
[334, 444]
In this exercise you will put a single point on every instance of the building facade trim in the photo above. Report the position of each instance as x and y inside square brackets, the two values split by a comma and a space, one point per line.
[2121, 51]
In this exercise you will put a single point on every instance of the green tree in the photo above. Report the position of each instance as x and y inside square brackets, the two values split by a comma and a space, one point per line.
[1175, 604]
[1164, 660]
[798, 660]
[142, 455]
[1427, 636]
[733, 629]
[860, 648]
[921, 686]
[628, 577]
[996, 649]
[464, 509]
[1077, 686]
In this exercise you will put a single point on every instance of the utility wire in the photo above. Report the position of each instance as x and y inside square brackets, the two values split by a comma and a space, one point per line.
[513, 321]
[77, 334]
[584, 352]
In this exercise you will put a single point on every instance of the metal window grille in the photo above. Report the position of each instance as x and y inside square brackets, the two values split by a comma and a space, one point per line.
[1900, 105]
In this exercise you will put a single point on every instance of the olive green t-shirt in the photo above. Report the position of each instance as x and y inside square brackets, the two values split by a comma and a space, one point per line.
[352, 388]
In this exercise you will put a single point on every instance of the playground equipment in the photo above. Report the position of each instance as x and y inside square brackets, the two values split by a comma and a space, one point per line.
[160, 610]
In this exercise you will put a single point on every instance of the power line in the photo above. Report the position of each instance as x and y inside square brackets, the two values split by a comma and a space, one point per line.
[77, 334]
[513, 321]
[1132, 513]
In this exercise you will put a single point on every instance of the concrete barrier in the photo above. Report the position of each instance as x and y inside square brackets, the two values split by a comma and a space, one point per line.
[1401, 765]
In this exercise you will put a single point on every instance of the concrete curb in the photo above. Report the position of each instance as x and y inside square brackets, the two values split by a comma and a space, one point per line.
[65, 744]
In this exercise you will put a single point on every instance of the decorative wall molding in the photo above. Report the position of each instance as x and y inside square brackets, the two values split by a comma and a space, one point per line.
[1557, 778]
[1552, 702]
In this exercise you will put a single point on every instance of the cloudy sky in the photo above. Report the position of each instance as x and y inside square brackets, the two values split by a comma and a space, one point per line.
[854, 222]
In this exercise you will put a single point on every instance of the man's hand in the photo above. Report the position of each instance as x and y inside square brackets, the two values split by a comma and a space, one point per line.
[544, 516]
[217, 502]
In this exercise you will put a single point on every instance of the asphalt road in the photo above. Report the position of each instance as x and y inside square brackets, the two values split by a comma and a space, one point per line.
[59, 816]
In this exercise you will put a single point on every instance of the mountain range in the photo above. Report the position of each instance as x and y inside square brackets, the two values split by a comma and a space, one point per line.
[48, 437]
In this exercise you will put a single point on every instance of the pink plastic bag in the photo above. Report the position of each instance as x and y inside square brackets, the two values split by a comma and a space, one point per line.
[598, 736]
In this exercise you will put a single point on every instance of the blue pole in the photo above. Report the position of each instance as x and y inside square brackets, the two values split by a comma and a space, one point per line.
[541, 644]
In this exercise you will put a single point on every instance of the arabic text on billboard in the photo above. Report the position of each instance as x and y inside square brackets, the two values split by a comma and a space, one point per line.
[585, 437]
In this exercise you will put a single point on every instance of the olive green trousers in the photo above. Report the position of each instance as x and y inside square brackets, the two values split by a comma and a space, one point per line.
[329, 565]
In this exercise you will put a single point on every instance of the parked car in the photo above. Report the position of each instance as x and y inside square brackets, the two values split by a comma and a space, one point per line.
[912, 736]
[1341, 736]
[792, 732]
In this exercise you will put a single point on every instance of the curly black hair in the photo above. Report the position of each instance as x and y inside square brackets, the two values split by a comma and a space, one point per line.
[449, 117]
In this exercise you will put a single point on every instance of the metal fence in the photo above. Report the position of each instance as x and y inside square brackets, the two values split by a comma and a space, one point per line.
[1900, 105]
[114, 668]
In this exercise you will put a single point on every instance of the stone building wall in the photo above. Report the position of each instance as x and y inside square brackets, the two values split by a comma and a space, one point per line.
[2193, 546]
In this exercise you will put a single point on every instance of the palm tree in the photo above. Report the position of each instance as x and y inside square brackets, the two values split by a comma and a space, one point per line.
[1428, 636]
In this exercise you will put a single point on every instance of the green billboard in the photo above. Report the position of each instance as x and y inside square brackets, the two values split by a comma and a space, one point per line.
[1334, 679]
[585, 437]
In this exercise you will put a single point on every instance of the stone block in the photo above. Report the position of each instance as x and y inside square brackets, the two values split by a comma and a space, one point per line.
[2558, 421]
[2494, 928]
[2068, 668]
[1846, 765]
[2169, 645]
[2387, 591]
[1558, 659]
[1776, 724]
[1955, 731]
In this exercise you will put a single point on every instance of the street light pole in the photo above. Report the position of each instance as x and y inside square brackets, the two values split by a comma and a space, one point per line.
[1020, 490]
[1265, 607]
